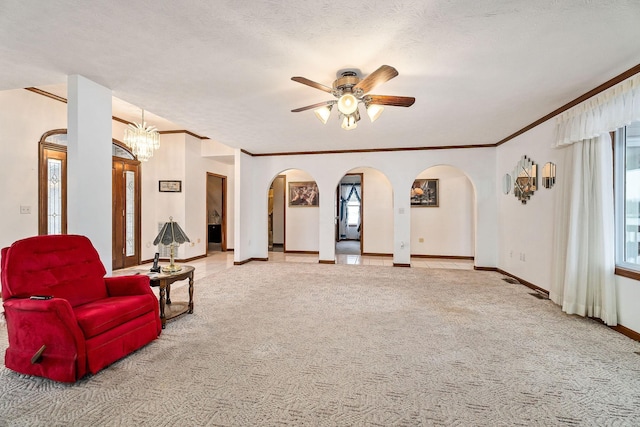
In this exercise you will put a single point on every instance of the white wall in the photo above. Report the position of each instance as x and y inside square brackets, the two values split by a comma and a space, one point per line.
[301, 225]
[628, 294]
[179, 158]
[24, 118]
[526, 231]
[448, 229]
[400, 168]
[377, 212]
[279, 206]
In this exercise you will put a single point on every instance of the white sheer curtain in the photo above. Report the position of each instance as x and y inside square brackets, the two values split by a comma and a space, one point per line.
[585, 259]
[584, 247]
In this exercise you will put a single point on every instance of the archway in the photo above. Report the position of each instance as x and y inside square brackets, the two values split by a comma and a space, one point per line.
[293, 217]
[371, 221]
[443, 214]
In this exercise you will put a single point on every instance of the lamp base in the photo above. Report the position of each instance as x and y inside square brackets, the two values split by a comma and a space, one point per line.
[171, 268]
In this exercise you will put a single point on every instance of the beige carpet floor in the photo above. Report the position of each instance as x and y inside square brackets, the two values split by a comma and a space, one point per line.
[278, 344]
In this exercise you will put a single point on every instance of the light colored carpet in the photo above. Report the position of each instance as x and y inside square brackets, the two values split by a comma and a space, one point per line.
[309, 344]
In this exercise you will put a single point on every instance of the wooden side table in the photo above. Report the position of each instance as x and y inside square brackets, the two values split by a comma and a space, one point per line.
[169, 310]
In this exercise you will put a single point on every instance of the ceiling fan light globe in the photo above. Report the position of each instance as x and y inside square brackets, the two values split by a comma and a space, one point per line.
[349, 123]
[374, 111]
[323, 113]
[347, 104]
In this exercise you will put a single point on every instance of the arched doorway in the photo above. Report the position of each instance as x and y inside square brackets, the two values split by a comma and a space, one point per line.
[442, 214]
[349, 223]
[293, 214]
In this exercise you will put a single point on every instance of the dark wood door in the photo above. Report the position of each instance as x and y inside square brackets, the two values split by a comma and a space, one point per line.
[126, 213]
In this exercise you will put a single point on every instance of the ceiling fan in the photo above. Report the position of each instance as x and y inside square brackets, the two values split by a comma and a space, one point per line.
[350, 90]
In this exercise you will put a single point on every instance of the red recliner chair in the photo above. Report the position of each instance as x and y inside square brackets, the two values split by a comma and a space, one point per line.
[64, 318]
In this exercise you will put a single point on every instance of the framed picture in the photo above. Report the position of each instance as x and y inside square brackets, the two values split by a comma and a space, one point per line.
[424, 192]
[170, 186]
[303, 194]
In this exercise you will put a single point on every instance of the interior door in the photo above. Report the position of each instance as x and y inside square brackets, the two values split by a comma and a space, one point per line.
[52, 209]
[126, 213]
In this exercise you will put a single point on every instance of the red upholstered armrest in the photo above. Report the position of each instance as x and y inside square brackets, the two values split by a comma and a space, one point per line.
[34, 323]
[57, 306]
[133, 285]
[128, 285]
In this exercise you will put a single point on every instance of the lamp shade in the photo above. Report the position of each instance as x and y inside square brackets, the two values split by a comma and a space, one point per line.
[323, 113]
[374, 111]
[349, 122]
[347, 104]
[171, 233]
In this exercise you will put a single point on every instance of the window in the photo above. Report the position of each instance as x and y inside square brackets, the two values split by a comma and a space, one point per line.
[627, 196]
[353, 213]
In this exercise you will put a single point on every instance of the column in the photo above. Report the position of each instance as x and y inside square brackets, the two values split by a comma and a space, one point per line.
[89, 164]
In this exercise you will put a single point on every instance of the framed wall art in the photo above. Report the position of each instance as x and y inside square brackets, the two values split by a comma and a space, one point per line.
[424, 192]
[303, 194]
[170, 186]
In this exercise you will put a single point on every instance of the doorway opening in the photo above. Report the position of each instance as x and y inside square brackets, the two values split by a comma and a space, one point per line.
[216, 213]
[349, 224]
[277, 213]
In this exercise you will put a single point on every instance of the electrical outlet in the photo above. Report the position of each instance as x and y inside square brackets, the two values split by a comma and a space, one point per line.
[25, 209]
[524, 257]
[511, 254]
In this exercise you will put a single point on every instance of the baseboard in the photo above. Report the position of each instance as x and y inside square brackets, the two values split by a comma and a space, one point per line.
[176, 260]
[470, 258]
[400, 264]
[327, 261]
[480, 268]
[375, 254]
[626, 332]
[524, 282]
[249, 260]
[302, 252]
[619, 328]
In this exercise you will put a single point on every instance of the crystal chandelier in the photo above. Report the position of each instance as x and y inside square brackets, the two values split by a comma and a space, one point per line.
[142, 140]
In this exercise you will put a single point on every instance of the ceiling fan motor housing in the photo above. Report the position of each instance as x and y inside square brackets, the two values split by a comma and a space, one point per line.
[347, 81]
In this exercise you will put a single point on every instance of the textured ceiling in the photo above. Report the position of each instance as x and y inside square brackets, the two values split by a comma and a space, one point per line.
[479, 70]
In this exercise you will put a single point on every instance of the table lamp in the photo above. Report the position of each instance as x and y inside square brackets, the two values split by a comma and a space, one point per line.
[172, 235]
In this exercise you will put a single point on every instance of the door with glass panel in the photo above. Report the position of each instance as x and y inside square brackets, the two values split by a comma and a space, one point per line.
[52, 208]
[126, 218]
[53, 189]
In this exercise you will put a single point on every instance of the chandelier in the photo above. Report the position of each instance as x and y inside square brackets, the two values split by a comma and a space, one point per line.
[142, 140]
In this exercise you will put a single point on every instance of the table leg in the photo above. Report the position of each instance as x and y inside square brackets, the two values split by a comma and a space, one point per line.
[169, 293]
[162, 302]
[191, 293]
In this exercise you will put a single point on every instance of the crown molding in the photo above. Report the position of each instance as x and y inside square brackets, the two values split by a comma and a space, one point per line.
[117, 119]
[604, 86]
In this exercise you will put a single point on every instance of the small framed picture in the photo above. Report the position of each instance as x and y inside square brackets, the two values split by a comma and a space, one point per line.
[170, 186]
[303, 194]
[424, 192]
